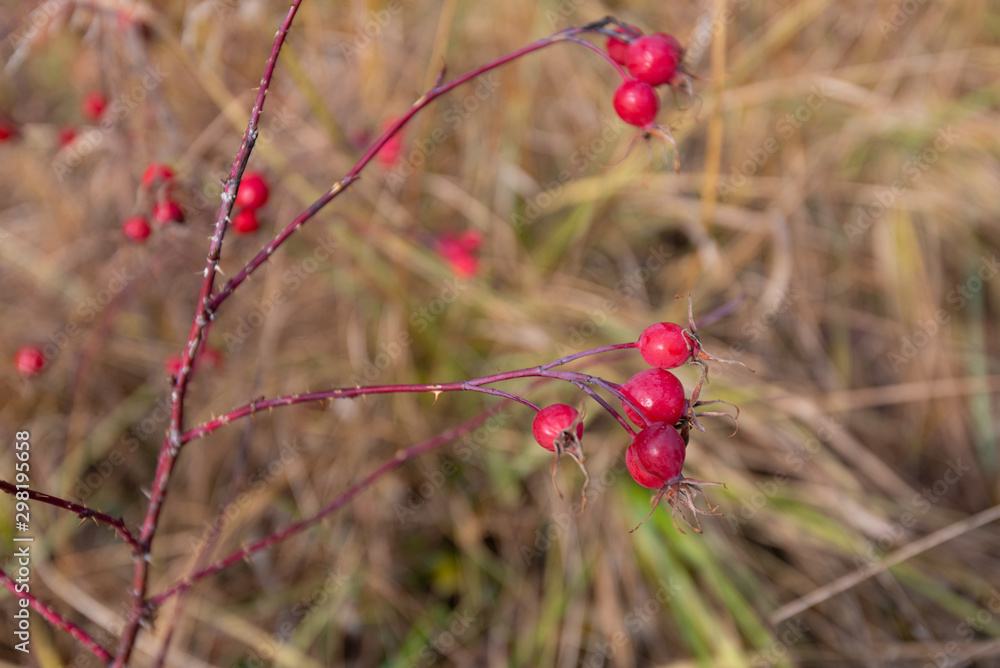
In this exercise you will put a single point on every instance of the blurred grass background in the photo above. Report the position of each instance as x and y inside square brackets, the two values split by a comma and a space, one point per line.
[838, 195]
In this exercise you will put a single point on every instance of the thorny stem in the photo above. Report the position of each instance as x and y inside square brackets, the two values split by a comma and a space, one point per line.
[401, 458]
[81, 511]
[172, 443]
[581, 380]
[55, 619]
[210, 300]
[566, 34]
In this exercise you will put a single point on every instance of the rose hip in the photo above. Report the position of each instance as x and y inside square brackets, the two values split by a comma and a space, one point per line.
[636, 103]
[658, 393]
[253, 192]
[638, 473]
[660, 450]
[29, 361]
[654, 59]
[136, 228]
[666, 345]
[551, 422]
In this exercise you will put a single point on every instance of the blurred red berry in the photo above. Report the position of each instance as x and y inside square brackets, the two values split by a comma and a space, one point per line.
[654, 59]
[136, 228]
[245, 222]
[666, 345]
[388, 155]
[155, 173]
[212, 357]
[618, 48]
[92, 105]
[636, 103]
[168, 211]
[29, 361]
[658, 393]
[550, 423]
[459, 251]
[7, 131]
[253, 192]
[172, 365]
[660, 450]
[66, 136]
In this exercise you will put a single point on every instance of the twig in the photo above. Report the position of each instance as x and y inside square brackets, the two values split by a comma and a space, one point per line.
[909, 551]
[401, 458]
[55, 619]
[83, 512]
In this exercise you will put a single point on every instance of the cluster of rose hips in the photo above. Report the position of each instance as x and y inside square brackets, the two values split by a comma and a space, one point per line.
[652, 60]
[157, 179]
[251, 196]
[654, 400]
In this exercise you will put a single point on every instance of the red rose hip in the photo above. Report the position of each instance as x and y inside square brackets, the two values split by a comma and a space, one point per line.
[618, 48]
[29, 361]
[253, 192]
[658, 393]
[92, 105]
[245, 222]
[136, 228]
[156, 172]
[666, 345]
[639, 474]
[654, 59]
[168, 211]
[636, 103]
[551, 421]
[660, 450]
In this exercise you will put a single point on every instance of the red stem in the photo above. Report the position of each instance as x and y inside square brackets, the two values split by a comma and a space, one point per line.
[83, 512]
[401, 458]
[208, 303]
[172, 443]
[567, 34]
[55, 619]
[475, 385]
